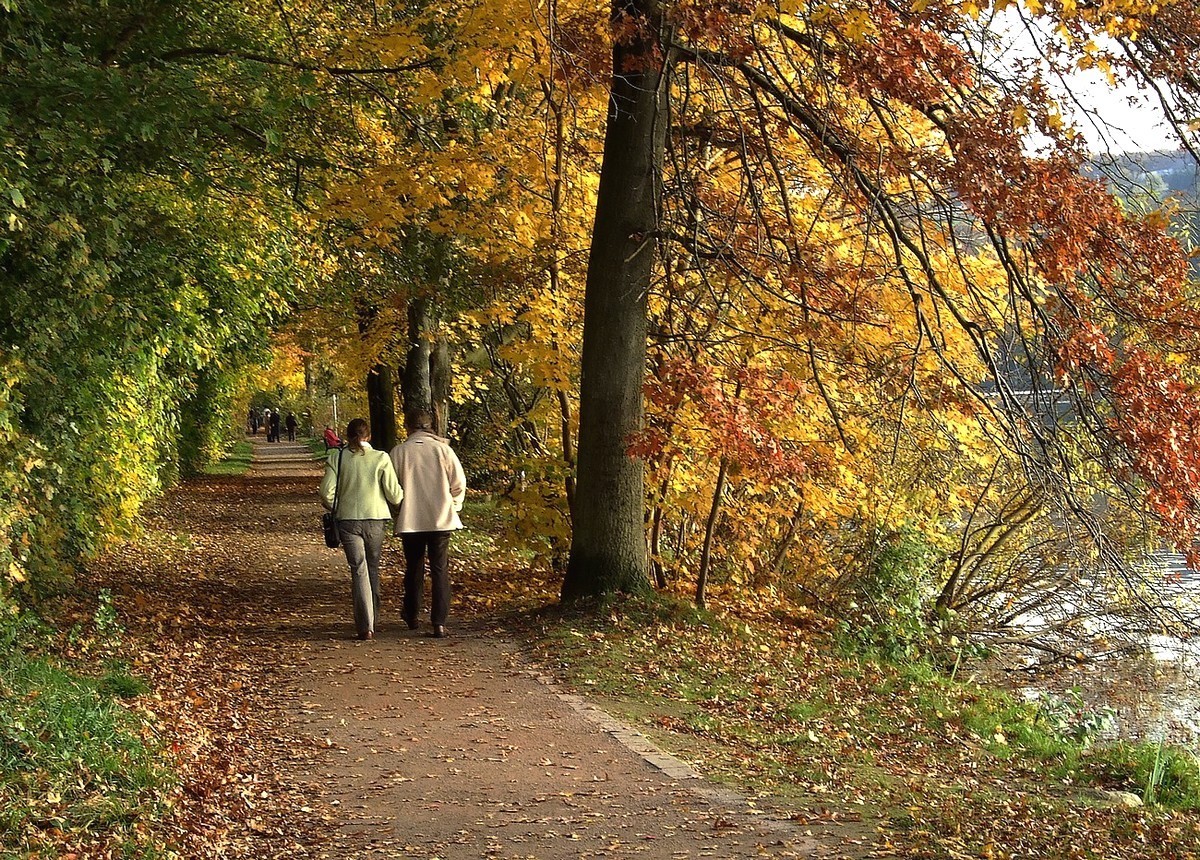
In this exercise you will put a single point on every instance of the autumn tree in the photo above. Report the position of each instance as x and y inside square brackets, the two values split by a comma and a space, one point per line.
[974, 250]
[608, 550]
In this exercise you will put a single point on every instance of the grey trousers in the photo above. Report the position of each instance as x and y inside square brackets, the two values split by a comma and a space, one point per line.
[363, 542]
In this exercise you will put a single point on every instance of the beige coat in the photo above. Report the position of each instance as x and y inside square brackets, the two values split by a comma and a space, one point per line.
[433, 483]
[367, 484]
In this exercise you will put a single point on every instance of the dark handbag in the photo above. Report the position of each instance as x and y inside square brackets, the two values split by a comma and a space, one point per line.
[329, 524]
[329, 519]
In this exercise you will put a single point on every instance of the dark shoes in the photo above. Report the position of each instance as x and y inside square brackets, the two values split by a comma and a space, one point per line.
[438, 632]
[366, 637]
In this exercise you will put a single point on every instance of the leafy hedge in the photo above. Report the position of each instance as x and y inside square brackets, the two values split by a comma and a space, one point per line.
[145, 249]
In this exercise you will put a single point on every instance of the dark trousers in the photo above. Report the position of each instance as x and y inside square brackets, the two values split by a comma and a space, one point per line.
[416, 546]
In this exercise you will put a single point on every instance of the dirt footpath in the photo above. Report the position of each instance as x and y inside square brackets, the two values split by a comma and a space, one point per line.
[455, 748]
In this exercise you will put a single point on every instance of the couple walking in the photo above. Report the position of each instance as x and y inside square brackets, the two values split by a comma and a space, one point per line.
[424, 479]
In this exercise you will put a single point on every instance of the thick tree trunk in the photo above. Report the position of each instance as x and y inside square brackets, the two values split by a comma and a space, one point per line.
[381, 401]
[381, 396]
[418, 387]
[440, 380]
[608, 544]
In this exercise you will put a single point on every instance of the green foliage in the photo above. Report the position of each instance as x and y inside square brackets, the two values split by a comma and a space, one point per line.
[144, 249]
[886, 609]
[1070, 717]
[1063, 733]
[1161, 774]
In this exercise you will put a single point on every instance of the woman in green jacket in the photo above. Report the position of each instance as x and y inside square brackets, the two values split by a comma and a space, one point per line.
[364, 482]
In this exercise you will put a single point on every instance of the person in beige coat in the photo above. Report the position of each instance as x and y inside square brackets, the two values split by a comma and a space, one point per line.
[365, 484]
[434, 486]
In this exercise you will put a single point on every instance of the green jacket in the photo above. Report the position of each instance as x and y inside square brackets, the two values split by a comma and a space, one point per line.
[367, 484]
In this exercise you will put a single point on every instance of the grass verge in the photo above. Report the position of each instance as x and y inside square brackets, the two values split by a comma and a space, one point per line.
[235, 462]
[79, 769]
[946, 767]
[316, 444]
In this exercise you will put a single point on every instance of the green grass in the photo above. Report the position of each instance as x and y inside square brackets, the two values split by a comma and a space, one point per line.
[1131, 767]
[316, 444]
[235, 462]
[75, 763]
[778, 710]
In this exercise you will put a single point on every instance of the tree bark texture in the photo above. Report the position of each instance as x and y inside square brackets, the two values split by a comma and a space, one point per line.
[608, 544]
[381, 401]
[440, 380]
[381, 396]
[418, 387]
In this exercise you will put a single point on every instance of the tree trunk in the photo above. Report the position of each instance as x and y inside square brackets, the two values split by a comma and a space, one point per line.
[440, 379]
[555, 266]
[381, 402]
[785, 543]
[710, 528]
[418, 387]
[608, 543]
[381, 397]
[660, 573]
[568, 449]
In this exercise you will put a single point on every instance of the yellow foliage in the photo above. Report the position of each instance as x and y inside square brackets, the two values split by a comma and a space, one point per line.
[821, 384]
[286, 369]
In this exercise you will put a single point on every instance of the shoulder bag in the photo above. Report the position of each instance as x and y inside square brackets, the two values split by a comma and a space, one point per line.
[329, 519]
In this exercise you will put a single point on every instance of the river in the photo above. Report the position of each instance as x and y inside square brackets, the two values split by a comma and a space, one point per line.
[1150, 691]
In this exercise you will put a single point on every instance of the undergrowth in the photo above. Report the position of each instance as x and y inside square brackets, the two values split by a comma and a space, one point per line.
[78, 767]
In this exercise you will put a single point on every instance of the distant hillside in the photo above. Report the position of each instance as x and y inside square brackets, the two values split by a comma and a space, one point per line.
[1159, 173]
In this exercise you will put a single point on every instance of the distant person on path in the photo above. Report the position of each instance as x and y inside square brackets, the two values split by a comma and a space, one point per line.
[274, 426]
[331, 438]
[267, 423]
[367, 486]
[434, 486]
[290, 423]
[252, 421]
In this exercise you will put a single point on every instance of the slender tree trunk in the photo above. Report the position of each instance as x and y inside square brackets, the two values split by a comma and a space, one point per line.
[656, 521]
[681, 536]
[381, 401]
[710, 528]
[785, 543]
[555, 267]
[608, 543]
[568, 449]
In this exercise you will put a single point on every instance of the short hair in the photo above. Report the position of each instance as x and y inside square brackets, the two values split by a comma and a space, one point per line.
[418, 419]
